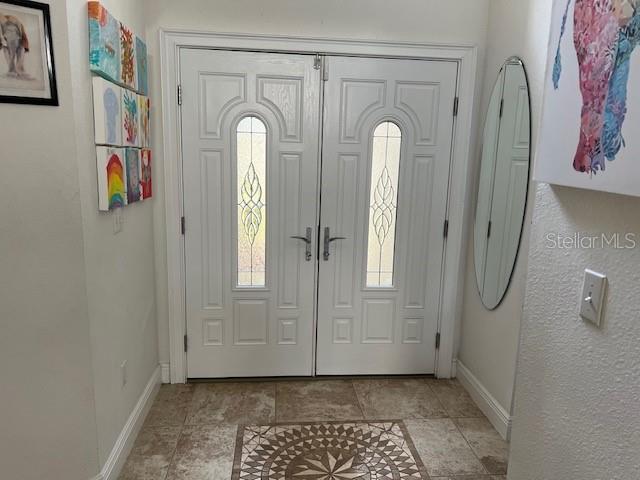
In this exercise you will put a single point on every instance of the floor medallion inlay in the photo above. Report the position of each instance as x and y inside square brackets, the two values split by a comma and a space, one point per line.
[377, 450]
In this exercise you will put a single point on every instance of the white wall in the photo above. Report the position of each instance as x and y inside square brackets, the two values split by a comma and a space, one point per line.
[120, 270]
[455, 21]
[48, 427]
[577, 386]
[489, 339]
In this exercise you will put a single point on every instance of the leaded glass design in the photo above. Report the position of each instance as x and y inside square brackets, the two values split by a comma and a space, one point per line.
[385, 171]
[252, 201]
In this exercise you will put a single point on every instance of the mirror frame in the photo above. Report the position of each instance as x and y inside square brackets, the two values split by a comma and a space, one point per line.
[511, 60]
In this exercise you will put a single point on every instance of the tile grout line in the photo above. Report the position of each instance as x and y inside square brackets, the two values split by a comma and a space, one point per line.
[355, 392]
[184, 423]
[453, 420]
[275, 402]
[437, 397]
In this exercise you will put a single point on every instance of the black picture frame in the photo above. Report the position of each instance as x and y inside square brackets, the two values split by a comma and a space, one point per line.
[49, 62]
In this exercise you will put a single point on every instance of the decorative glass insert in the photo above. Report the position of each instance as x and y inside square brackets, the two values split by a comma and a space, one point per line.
[251, 170]
[385, 171]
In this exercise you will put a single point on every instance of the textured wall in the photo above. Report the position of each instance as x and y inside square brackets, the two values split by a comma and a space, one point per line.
[489, 339]
[463, 21]
[578, 387]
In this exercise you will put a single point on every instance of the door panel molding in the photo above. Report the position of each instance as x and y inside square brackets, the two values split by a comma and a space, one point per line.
[465, 56]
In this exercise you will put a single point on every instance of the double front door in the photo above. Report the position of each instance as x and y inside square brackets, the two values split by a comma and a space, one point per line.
[315, 192]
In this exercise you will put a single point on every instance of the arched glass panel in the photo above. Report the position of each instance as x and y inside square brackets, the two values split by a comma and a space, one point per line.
[383, 205]
[251, 167]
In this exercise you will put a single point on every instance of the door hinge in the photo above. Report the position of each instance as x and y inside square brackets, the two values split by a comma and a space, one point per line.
[437, 340]
[501, 107]
[186, 342]
[182, 225]
[489, 230]
[317, 62]
[456, 103]
[179, 94]
[446, 229]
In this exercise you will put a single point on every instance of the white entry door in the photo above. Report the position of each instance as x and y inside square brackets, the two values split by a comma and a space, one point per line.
[385, 169]
[250, 134]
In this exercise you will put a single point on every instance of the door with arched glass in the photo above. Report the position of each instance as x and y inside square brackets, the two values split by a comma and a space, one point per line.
[250, 124]
[287, 275]
[385, 173]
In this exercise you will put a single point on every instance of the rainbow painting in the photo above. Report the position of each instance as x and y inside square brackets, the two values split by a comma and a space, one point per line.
[111, 178]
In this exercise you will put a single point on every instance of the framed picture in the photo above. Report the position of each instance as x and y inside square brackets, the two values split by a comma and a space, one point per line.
[591, 109]
[27, 71]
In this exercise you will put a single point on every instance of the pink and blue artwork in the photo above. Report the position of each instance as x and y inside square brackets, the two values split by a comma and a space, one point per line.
[130, 119]
[132, 160]
[104, 42]
[143, 66]
[107, 113]
[590, 113]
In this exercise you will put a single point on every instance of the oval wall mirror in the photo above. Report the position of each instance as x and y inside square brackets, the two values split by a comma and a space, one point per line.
[504, 181]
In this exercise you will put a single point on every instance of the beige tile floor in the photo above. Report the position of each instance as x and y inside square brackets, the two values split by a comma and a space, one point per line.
[190, 431]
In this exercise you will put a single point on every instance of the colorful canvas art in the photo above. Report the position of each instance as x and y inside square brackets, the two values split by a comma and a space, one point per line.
[130, 119]
[143, 67]
[132, 160]
[590, 111]
[111, 178]
[128, 65]
[104, 42]
[107, 106]
[145, 174]
[145, 119]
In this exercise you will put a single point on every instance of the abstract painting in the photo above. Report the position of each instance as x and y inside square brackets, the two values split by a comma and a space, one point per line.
[128, 65]
[132, 160]
[143, 66]
[144, 114]
[107, 113]
[111, 178]
[145, 174]
[130, 119]
[27, 72]
[104, 42]
[591, 111]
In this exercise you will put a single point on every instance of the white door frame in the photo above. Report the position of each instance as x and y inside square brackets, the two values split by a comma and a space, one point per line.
[171, 41]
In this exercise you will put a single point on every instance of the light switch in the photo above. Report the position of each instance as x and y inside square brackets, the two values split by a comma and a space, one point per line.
[118, 220]
[592, 300]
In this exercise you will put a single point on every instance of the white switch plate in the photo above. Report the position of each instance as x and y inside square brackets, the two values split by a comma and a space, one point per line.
[592, 300]
[118, 220]
[123, 373]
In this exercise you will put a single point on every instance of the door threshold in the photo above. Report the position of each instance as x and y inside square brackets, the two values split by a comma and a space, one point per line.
[310, 378]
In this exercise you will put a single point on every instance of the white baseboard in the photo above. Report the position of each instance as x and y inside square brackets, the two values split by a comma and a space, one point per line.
[495, 412]
[122, 447]
[166, 372]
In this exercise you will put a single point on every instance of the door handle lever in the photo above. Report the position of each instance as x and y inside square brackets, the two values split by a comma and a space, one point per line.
[328, 239]
[308, 241]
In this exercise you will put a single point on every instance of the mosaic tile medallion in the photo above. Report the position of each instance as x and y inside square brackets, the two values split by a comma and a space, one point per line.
[327, 451]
